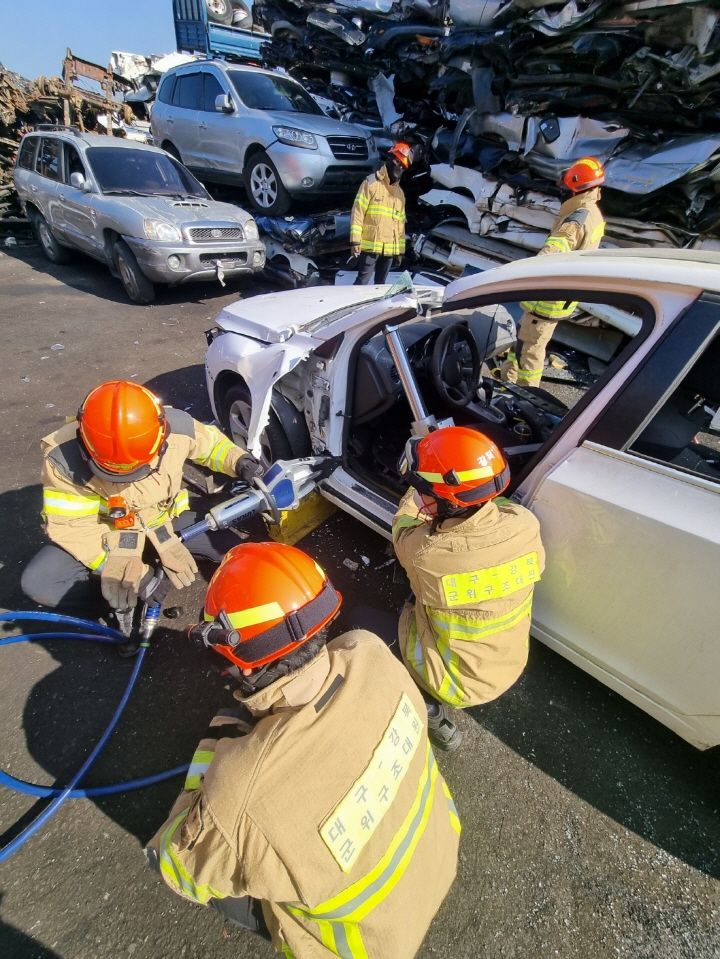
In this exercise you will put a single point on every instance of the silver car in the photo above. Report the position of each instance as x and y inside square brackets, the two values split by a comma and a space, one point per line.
[132, 207]
[235, 124]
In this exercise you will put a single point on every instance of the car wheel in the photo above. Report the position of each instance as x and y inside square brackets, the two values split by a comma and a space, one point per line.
[54, 251]
[237, 405]
[219, 11]
[137, 286]
[264, 187]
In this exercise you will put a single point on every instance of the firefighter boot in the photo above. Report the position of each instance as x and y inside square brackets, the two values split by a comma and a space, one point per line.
[442, 730]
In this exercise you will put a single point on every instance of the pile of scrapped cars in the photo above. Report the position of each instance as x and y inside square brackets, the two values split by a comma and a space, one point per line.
[501, 95]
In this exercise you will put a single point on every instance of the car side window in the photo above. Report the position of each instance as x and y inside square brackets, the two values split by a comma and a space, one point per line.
[73, 163]
[188, 91]
[26, 159]
[211, 90]
[685, 430]
[165, 93]
[48, 161]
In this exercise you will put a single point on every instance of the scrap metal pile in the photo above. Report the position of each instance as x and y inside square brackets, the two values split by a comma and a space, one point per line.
[502, 95]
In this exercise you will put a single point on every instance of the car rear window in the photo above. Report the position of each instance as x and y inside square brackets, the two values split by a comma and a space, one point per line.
[261, 91]
[48, 161]
[188, 91]
[132, 172]
[26, 158]
[165, 93]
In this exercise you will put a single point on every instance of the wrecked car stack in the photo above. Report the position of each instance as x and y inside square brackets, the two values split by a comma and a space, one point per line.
[503, 95]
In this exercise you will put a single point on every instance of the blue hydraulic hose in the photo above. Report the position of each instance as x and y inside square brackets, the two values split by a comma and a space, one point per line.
[102, 634]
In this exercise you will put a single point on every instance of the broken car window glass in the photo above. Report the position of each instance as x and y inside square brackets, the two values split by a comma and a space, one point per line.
[261, 91]
[122, 170]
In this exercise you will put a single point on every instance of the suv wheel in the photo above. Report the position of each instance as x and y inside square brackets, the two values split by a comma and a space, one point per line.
[54, 251]
[219, 11]
[264, 187]
[237, 405]
[137, 286]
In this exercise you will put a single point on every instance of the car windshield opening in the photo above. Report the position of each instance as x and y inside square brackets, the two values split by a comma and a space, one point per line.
[141, 173]
[260, 91]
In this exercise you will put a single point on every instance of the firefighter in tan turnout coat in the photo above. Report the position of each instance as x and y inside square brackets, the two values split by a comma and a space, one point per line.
[579, 226]
[323, 823]
[472, 560]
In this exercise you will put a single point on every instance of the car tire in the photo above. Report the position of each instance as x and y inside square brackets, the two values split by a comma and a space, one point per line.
[219, 11]
[236, 407]
[264, 187]
[137, 286]
[54, 251]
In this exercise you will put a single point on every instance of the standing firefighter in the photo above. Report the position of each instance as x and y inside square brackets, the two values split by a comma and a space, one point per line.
[325, 824]
[472, 561]
[579, 226]
[377, 226]
[112, 484]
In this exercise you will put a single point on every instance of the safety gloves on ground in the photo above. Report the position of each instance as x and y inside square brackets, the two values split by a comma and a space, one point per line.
[247, 468]
[176, 559]
[123, 570]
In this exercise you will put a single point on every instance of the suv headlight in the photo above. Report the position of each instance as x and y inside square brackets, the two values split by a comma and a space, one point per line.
[251, 230]
[295, 138]
[162, 231]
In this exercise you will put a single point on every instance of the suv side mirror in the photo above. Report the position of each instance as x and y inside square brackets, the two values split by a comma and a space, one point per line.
[79, 182]
[224, 103]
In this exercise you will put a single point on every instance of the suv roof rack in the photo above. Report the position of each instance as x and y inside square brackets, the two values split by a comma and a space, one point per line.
[59, 126]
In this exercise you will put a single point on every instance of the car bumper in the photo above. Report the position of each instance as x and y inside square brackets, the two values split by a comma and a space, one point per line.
[175, 263]
[305, 172]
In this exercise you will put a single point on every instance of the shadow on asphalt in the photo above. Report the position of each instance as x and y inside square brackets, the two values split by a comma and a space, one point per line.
[613, 756]
[15, 943]
[87, 275]
[185, 390]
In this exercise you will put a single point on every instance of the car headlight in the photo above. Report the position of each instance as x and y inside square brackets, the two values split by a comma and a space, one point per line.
[162, 231]
[295, 138]
[251, 230]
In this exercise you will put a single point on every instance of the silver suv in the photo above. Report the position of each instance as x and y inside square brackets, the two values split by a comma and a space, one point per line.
[132, 207]
[237, 124]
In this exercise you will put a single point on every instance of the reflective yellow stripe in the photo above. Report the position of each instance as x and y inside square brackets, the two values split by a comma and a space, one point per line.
[175, 874]
[451, 689]
[559, 243]
[61, 503]
[597, 234]
[388, 247]
[159, 519]
[362, 201]
[199, 765]
[454, 818]
[96, 563]
[353, 904]
[404, 522]
[549, 309]
[529, 376]
[491, 583]
[414, 651]
[380, 211]
[461, 629]
[253, 616]
[181, 503]
[482, 472]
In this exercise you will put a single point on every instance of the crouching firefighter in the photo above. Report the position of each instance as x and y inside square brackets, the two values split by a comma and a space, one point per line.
[579, 226]
[472, 560]
[112, 485]
[324, 823]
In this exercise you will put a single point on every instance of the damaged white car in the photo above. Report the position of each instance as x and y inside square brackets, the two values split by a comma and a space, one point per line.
[620, 460]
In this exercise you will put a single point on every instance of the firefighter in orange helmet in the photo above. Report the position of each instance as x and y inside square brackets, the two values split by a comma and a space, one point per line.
[377, 221]
[112, 485]
[472, 559]
[330, 835]
[579, 226]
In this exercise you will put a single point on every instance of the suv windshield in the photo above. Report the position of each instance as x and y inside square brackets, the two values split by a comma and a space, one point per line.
[141, 173]
[260, 91]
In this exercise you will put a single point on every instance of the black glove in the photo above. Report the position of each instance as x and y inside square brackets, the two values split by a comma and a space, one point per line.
[154, 586]
[247, 468]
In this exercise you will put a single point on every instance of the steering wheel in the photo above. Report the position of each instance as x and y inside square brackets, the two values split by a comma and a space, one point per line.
[455, 365]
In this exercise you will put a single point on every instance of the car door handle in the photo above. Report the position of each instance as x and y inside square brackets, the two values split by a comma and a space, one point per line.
[33, 189]
[203, 126]
[169, 121]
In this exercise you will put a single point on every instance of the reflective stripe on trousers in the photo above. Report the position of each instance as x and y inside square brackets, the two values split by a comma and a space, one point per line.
[450, 690]
[338, 919]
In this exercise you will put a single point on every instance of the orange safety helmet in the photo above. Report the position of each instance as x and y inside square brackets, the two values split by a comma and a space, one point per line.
[271, 599]
[122, 426]
[457, 465]
[403, 153]
[584, 175]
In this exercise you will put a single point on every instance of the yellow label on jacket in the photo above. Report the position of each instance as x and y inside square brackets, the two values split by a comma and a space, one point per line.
[353, 821]
[492, 583]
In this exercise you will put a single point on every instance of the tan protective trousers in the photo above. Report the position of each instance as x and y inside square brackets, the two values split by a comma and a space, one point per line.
[525, 365]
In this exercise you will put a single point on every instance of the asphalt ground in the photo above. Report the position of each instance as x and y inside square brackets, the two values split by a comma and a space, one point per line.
[589, 830]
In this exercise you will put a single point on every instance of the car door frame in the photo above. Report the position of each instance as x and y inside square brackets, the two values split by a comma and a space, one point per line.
[219, 165]
[76, 206]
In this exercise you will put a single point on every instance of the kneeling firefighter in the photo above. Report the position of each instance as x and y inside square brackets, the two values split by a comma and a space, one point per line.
[323, 823]
[579, 226]
[472, 560]
[112, 484]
